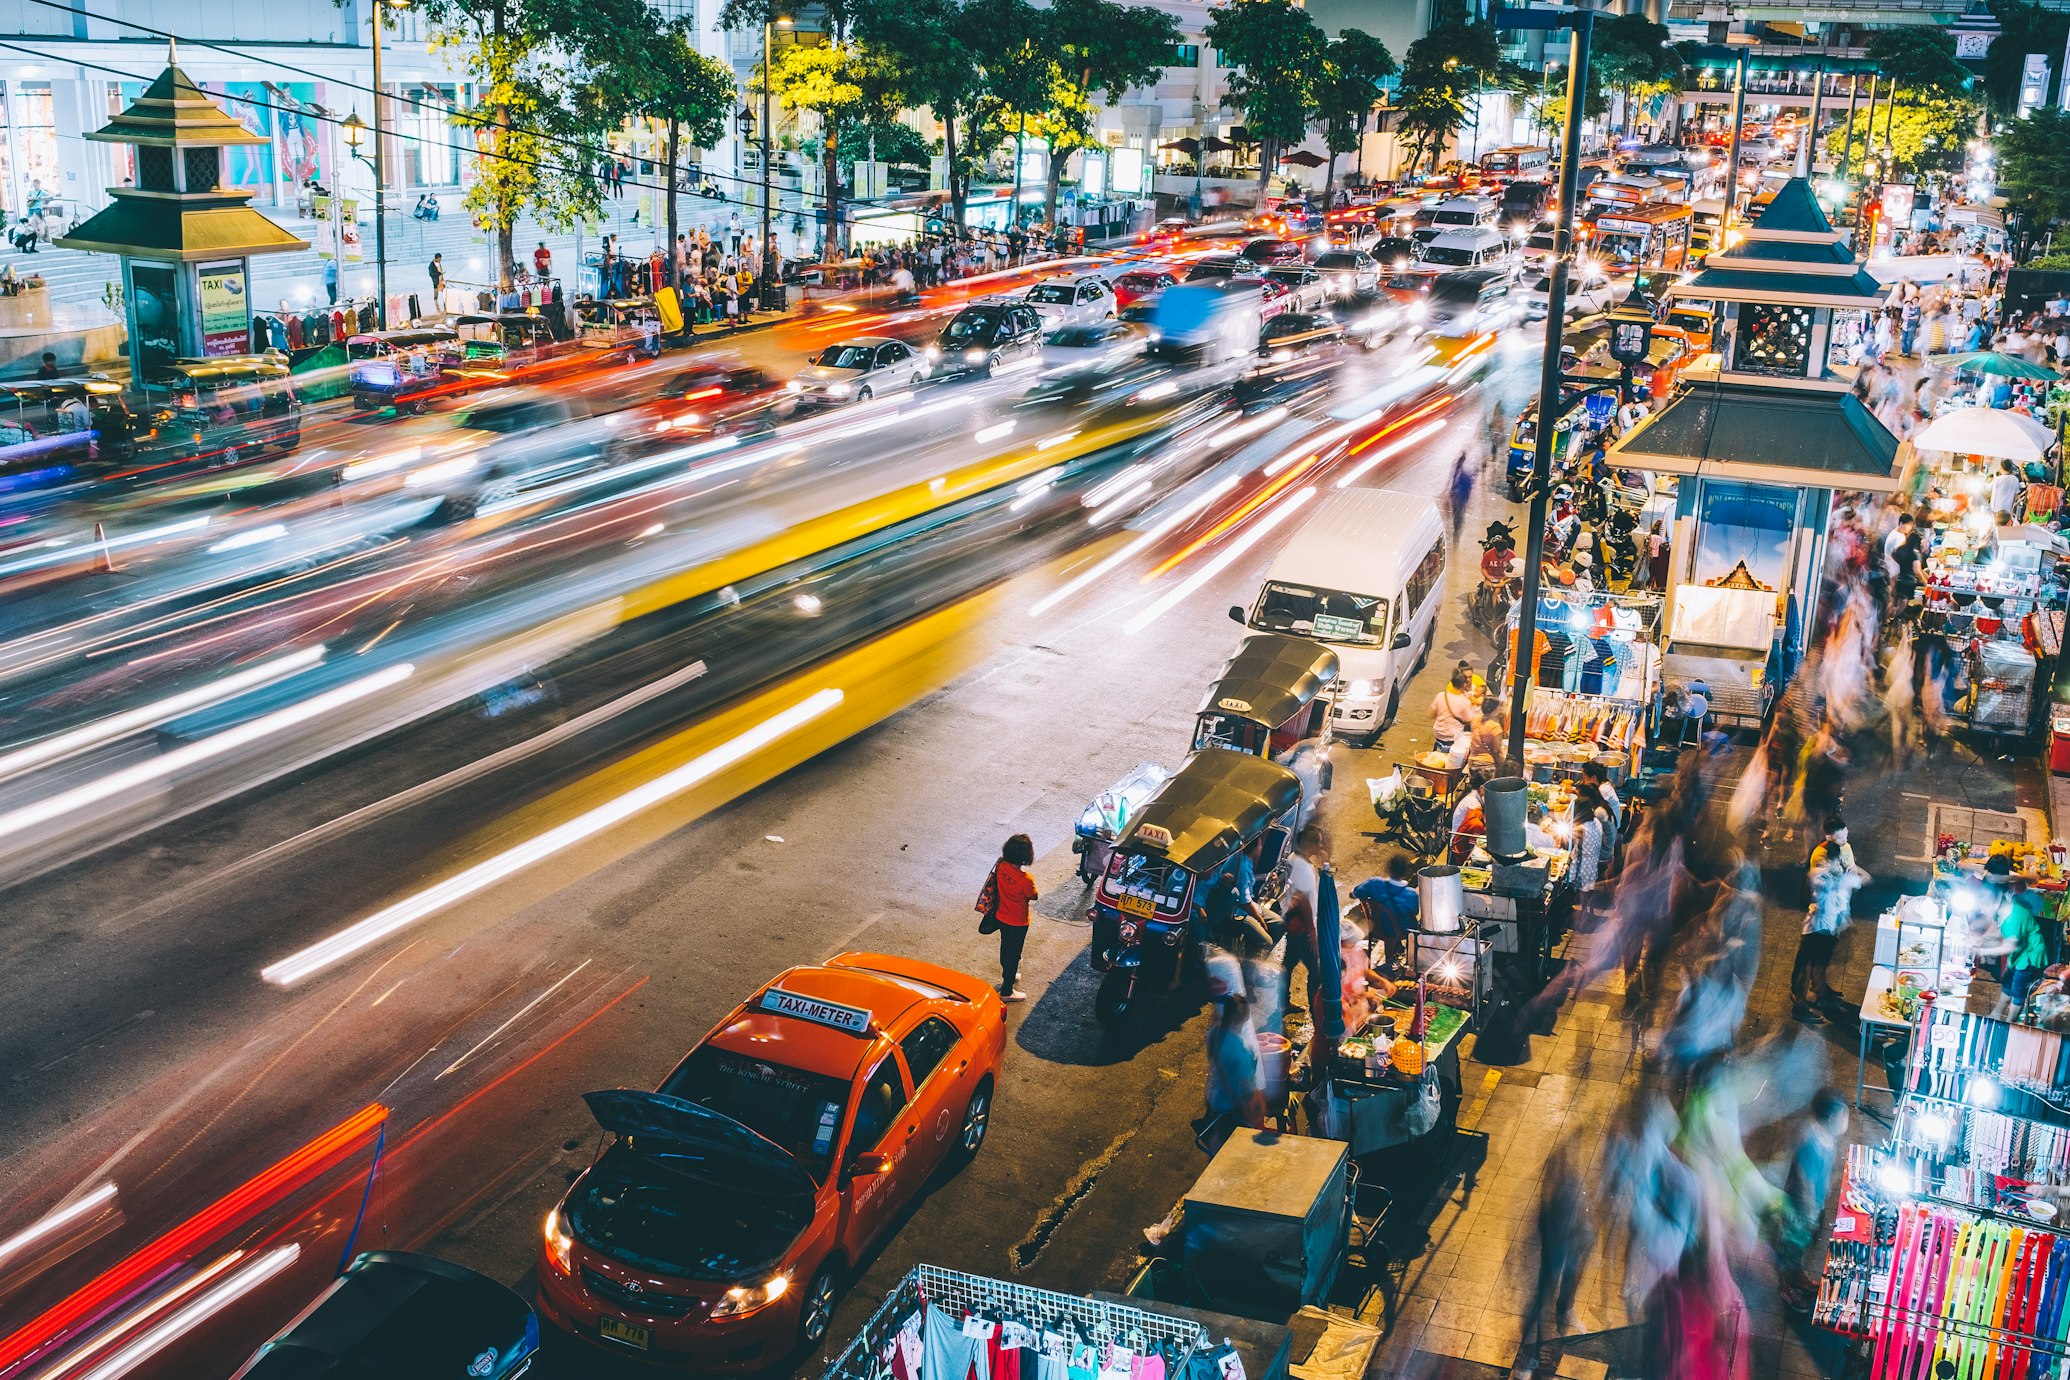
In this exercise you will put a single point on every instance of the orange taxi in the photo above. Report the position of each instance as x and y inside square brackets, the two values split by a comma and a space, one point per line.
[714, 1230]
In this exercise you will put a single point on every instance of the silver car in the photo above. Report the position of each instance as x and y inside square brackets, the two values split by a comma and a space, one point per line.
[857, 370]
[1067, 301]
[1307, 290]
[1348, 272]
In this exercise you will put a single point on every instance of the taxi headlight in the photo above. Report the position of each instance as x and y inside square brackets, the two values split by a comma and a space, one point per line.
[839, 390]
[559, 1244]
[933, 352]
[1417, 311]
[1361, 690]
[744, 1299]
[974, 356]
[794, 386]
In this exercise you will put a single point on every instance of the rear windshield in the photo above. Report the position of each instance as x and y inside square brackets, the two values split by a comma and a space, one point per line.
[638, 1211]
[1333, 616]
[1337, 261]
[799, 1111]
[509, 418]
[1144, 281]
[1448, 255]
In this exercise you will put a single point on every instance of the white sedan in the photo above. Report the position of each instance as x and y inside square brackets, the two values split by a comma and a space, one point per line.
[1095, 345]
[857, 370]
[1069, 301]
[1586, 295]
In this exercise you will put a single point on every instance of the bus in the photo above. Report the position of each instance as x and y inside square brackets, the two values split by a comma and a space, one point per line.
[1517, 161]
[1642, 239]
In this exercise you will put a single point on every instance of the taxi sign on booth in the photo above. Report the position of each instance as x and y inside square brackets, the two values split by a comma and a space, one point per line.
[778, 1002]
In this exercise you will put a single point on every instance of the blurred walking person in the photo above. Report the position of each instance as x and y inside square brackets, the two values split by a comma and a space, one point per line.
[1566, 1239]
[1235, 1089]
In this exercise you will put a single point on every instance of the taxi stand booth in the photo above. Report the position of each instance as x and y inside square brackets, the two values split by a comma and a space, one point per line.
[1760, 439]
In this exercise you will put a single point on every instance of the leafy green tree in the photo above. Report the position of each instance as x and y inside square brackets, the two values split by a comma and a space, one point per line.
[2034, 170]
[2025, 28]
[551, 78]
[1101, 48]
[1919, 58]
[1631, 54]
[1441, 69]
[944, 55]
[1354, 65]
[1277, 54]
[688, 92]
[837, 85]
[1927, 135]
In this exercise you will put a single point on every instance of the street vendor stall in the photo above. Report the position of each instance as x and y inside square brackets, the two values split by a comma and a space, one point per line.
[1725, 636]
[1595, 673]
[1382, 1086]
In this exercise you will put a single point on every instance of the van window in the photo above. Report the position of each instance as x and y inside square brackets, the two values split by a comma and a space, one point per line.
[1425, 579]
[1332, 615]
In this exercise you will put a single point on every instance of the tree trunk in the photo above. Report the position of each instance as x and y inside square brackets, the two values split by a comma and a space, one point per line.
[1052, 188]
[668, 246]
[957, 193]
[1268, 150]
[506, 214]
[1329, 174]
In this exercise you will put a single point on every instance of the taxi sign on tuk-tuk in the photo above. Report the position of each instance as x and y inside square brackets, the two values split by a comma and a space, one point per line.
[1153, 836]
[850, 1019]
[1234, 706]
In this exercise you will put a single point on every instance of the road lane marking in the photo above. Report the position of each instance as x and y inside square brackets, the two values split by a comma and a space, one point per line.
[497, 1033]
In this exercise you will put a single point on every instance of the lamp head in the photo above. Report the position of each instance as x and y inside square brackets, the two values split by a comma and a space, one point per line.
[354, 130]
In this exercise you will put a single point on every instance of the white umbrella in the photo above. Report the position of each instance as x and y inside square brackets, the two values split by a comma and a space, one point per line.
[1997, 432]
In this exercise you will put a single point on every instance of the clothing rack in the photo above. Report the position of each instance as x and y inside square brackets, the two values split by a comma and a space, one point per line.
[963, 1294]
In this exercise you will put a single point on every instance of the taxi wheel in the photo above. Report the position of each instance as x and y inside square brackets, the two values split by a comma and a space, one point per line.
[977, 1120]
[863, 394]
[816, 1309]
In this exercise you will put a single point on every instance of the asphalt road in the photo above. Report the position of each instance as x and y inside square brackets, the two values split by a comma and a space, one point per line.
[147, 1052]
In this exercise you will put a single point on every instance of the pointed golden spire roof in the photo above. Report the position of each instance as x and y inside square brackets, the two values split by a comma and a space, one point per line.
[175, 113]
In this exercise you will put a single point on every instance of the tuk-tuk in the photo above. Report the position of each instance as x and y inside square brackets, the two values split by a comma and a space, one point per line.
[621, 327]
[50, 428]
[398, 369]
[1215, 806]
[228, 409]
[1523, 443]
[1269, 696]
[491, 344]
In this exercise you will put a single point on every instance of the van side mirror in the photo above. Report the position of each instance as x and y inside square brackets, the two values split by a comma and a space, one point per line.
[1401, 642]
[1236, 613]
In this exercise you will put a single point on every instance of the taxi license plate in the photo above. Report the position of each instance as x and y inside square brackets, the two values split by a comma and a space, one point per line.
[632, 1334]
[1141, 906]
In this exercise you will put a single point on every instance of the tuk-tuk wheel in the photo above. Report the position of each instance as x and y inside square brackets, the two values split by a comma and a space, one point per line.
[1116, 995]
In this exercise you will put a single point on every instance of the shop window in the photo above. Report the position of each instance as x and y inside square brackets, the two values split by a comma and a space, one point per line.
[1774, 340]
[35, 151]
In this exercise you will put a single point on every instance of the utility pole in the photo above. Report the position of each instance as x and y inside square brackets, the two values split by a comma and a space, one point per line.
[1739, 122]
[1854, 90]
[1580, 24]
[770, 276]
[380, 178]
[1818, 98]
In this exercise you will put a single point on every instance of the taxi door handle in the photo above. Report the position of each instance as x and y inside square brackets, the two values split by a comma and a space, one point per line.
[912, 1131]
[962, 1066]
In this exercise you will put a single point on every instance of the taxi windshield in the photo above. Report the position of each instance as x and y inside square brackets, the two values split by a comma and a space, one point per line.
[973, 324]
[801, 1112]
[646, 1216]
[1152, 878]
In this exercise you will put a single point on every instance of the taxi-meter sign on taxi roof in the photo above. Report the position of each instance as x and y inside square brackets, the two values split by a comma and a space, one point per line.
[778, 1002]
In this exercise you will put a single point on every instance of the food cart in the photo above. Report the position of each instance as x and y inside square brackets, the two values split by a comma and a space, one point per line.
[1725, 637]
[620, 328]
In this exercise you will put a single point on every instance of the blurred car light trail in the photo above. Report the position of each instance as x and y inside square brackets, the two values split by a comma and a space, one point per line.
[32, 1341]
[1221, 562]
[1169, 522]
[391, 919]
[57, 1220]
[116, 725]
[228, 1290]
[215, 745]
[1419, 435]
[67, 553]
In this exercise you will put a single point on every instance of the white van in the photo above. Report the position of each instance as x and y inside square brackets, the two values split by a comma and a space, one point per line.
[1482, 248]
[1363, 574]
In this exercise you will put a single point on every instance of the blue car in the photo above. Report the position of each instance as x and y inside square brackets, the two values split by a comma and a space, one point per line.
[401, 1316]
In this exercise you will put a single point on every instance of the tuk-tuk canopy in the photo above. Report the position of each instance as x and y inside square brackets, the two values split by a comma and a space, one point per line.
[1211, 809]
[1271, 678]
[401, 339]
[222, 369]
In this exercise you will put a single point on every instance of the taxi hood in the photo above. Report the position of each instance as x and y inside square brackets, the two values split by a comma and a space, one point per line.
[676, 1130]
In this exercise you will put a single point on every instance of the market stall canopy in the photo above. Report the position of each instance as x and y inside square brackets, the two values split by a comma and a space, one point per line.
[1997, 432]
[1302, 158]
[1188, 145]
[1995, 362]
[1974, 215]
[1215, 145]
[1765, 434]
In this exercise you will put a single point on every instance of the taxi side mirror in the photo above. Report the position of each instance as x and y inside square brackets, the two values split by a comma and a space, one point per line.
[869, 1162]
[1401, 642]
[1236, 613]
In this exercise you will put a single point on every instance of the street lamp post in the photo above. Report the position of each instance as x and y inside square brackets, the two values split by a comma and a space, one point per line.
[772, 293]
[380, 175]
[1580, 25]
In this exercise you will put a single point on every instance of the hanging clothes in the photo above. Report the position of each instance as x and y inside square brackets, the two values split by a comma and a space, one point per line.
[947, 1353]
